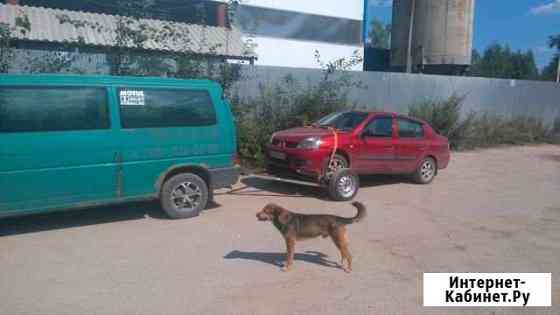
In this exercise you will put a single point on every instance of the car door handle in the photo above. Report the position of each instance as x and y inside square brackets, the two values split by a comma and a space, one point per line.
[388, 147]
[421, 146]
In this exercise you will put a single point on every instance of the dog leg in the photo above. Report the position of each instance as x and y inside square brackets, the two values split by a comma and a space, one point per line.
[290, 249]
[340, 239]
[337, 244]
[344, 248]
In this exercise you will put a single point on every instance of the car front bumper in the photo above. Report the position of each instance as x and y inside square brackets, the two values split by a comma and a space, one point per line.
[308, 163]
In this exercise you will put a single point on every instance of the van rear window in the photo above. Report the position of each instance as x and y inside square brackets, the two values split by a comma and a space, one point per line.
[34, 109]
[157, 108]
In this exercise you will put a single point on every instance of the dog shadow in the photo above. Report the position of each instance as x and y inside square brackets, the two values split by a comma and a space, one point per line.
[277, 259]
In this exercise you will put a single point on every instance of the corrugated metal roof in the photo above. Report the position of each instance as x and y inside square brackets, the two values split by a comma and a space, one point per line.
[46, 26]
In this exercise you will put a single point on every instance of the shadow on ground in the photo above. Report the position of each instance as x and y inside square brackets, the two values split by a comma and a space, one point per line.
[277, 259]
[84, 217]
[551, 157]
[271, 188]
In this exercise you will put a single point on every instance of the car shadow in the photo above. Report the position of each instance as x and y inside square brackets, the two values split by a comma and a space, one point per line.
[384, 180]
[85, 217]
[272, 188]
[277, 259]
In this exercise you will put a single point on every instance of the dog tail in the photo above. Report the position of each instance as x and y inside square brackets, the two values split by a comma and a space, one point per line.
[359, 216]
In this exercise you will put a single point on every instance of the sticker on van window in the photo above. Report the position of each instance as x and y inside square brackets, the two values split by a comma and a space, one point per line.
[132, 98]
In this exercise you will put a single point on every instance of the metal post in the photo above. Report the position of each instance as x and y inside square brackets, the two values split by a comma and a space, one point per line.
[410, 29]
[558, 70]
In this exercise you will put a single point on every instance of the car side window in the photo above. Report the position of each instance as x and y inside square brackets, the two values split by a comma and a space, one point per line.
[410, 129]
[381, 127]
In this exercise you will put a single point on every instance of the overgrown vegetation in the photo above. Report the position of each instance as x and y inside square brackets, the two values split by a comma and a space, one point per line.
[500, 61]
[133, 33]
[549, 72]
[479, 130]
[7, 35]
[291, 103]
[379, 34]
[127, 54]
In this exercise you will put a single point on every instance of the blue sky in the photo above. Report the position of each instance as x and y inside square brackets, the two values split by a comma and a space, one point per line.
[522, 24]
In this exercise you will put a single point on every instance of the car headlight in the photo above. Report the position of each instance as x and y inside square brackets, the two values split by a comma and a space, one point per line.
[310, 143]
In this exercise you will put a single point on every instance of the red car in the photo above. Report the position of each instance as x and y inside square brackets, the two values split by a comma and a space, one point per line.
[366, 143]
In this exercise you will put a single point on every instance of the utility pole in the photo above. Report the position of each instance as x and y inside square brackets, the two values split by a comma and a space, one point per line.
[558, 70]
[410, 29]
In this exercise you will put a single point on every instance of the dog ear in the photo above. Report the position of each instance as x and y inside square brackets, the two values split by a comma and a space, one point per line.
[284, 216]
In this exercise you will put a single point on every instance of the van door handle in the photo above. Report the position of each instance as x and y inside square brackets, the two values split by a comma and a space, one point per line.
[117, 157]
[119, 174]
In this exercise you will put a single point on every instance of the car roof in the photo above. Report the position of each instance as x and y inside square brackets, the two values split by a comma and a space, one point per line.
[376, 113]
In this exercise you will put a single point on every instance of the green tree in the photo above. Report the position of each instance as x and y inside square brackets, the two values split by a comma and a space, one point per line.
[7, 35]
[554, 42]
[379, 34]
[133, 32]
[549, 72]
[501, 62]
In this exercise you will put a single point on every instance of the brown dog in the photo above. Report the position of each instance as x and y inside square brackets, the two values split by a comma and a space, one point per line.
[297, 226]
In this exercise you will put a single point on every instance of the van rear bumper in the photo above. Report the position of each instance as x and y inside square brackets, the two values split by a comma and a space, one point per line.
[224, 177]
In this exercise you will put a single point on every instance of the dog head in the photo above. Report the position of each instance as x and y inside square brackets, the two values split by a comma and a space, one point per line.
[272, 211]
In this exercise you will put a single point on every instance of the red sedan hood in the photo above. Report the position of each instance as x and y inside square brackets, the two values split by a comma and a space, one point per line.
[296, 134]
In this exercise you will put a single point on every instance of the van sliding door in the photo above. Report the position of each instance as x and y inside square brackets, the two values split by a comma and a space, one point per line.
[163, 128]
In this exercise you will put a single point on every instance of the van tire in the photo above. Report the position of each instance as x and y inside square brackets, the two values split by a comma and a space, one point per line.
[190, 186]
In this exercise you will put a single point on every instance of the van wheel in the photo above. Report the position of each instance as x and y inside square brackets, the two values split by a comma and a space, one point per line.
[426, 171]
[184, 196]
[343, 185]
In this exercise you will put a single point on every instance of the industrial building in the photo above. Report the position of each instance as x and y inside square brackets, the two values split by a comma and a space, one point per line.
[432, 36]
[428, 36]
[86, 29]
[275, 33]
[288, 32]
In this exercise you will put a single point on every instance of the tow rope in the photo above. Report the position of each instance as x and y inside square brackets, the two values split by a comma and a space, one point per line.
[335, 145]
[333, 153]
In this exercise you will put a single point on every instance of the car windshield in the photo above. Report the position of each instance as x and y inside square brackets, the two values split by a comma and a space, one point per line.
[344, 121]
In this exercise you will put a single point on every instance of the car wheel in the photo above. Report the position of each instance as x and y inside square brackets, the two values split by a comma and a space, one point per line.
[184, 196]
[343, 185]
[426, 171]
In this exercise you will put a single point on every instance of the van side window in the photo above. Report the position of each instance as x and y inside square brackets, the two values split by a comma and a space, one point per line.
[156, 108]
[34, 109]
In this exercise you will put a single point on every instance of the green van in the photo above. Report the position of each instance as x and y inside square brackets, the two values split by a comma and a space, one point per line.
[70, 141]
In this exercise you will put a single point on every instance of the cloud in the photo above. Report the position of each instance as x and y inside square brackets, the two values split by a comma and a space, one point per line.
[549, 8]
[380, 3]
